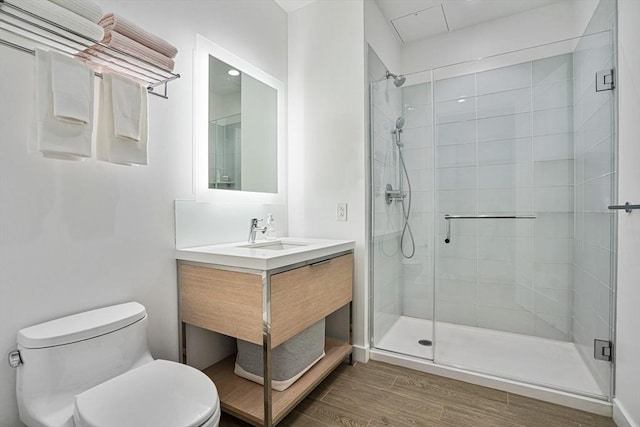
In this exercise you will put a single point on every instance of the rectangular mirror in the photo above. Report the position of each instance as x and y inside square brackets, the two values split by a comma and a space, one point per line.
[238, 128]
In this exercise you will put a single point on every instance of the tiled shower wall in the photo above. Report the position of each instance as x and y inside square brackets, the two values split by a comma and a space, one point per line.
[595, 175]
[504, 146]
[387, 265]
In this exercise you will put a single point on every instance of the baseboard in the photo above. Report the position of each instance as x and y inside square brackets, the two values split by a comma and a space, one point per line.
[360, 354]
[620, 415]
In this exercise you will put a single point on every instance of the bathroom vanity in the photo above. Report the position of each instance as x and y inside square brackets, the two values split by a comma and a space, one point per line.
[265, 293]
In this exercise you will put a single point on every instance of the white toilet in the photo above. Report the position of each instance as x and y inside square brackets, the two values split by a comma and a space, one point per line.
[94, 369]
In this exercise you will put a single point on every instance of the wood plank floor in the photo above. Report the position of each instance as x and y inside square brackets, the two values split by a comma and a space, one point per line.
[377, 394]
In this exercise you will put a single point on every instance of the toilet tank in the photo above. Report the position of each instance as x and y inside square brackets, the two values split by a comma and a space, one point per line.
[66, 356]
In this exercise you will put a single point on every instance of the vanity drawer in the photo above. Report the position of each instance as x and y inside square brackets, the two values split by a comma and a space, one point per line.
[222, 301]
[303, 296]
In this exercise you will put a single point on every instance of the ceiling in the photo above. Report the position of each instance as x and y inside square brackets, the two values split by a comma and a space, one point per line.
[291, 5]
[418, 19]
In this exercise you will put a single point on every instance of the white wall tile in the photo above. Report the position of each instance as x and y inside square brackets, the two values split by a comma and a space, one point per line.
[455, 111]
[495, 248]
[504, 127]
[505, 78]
[553, 173]
[496, 271]
[457, 178]
[502, 295]
[454, 88]
[556, 276]
[497, 152]
[556, 224]
[517, 321]
[456, 133]
[457, 201]
[497, 201]
[553, 69]
[553, 199]
[553, 147]
[420, 137]
[553, 95]
[504, 103]
[460, 247]
[557, 120]
[416, 116]
[456, 155]
[497, 176]
[418, 158]
[418, 94]
[552, 250]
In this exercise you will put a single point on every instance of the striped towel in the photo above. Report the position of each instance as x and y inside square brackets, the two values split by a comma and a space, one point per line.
[125, 44]
[113, 22]
[59, 15]
[84, 8]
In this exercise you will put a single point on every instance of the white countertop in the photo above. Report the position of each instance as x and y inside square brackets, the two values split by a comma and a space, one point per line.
[252, 256]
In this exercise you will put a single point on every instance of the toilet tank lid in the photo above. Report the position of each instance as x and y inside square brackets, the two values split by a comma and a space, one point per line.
[81, 326]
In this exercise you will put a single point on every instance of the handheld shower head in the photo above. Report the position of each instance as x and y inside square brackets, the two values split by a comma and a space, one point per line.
[398, 130]
[397, 80]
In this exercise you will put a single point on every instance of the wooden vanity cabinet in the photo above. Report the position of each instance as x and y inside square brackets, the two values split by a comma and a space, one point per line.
[266, 308]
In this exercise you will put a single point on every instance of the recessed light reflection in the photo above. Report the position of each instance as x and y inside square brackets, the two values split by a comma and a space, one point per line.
[462, 100]
[233, 72]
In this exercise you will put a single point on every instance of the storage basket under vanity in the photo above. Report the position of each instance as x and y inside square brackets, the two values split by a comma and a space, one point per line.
[289, 361]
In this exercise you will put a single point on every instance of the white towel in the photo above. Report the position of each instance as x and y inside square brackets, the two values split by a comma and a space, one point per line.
[72, 89]
[55, 137]
[114, 149]
[59, 15]
[84, 8]
[126, 103]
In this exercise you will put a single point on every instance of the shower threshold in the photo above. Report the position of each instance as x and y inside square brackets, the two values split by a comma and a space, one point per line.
[541, 368]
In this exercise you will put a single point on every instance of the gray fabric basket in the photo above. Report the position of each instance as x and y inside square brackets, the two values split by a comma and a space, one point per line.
[288, 359]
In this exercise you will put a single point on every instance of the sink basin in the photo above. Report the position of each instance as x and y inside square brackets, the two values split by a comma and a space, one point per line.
[274, 246]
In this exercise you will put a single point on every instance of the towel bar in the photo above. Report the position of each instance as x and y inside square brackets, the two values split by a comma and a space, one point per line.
[450, 217]
[100, 53]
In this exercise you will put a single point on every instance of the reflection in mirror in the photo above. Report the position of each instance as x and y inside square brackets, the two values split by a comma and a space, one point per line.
[239, 128]
[242, 131]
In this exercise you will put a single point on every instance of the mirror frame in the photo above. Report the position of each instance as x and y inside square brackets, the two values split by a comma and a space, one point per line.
[204, 49]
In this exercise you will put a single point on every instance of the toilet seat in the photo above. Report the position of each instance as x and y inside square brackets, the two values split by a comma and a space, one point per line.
[159, 393]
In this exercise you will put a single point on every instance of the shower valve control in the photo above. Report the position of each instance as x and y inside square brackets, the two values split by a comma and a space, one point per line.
[390, 194]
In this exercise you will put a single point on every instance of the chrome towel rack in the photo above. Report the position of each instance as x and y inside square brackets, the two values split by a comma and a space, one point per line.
[628, 207]
[72, 43]
[448, 218]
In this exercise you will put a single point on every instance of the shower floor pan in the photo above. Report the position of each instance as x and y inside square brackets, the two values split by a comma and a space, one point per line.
[520, 358]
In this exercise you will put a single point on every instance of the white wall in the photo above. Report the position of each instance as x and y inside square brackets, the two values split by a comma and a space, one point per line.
[379, 34]
[80, 235]
[535, 27]
[326, 131]
[627, 402]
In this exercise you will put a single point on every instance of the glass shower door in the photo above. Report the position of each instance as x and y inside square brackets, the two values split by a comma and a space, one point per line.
[525, 171]
[402, 217]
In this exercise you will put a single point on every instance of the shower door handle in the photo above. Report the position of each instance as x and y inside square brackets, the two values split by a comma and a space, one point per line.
[628, 207]
[448, 218]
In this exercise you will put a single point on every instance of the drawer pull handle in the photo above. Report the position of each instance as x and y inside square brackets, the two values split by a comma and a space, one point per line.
[326, 261]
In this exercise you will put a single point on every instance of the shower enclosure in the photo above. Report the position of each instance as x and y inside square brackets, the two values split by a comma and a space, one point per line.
[503, 264]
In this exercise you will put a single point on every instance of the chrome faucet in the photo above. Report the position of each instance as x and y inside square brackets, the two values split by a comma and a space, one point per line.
[253, 228]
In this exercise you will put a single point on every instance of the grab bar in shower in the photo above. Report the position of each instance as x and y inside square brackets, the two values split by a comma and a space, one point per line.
[628, 207]
[448, 218]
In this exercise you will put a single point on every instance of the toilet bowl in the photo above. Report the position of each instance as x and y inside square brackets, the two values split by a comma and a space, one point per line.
[93, 369]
